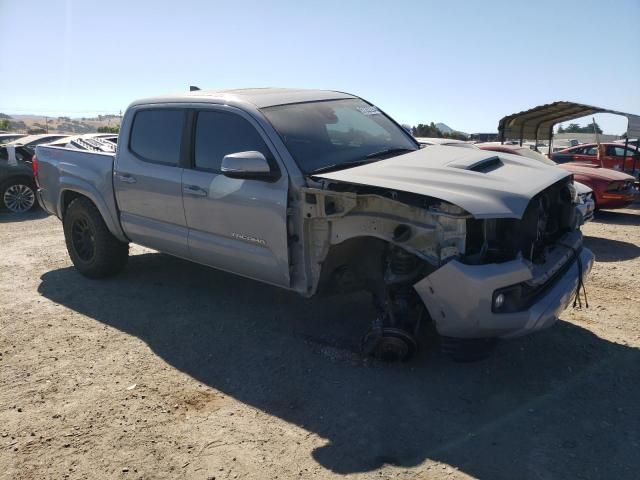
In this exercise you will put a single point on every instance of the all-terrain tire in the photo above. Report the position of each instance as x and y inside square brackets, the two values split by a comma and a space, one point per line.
[95, 252]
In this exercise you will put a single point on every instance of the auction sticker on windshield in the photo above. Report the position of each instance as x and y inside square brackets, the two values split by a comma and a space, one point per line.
[369, 110]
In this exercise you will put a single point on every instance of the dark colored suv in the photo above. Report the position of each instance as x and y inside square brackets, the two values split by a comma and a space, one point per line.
[17, 186]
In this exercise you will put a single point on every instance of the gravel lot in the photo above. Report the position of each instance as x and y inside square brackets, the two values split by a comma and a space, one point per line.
[172, 370]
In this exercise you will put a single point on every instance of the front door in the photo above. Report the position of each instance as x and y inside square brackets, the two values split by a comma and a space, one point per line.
[148, 181]
[586, 154]
[237, 225]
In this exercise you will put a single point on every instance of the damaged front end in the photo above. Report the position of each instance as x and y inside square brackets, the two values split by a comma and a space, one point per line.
[517, 274]
[422, 257]
[364, 238]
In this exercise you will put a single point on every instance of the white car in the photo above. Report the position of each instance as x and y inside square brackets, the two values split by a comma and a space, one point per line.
[451, 142]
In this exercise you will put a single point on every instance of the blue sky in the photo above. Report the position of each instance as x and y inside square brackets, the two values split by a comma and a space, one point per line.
[464, 63]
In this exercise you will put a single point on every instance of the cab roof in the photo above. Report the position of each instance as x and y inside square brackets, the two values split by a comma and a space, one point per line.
[259, 97]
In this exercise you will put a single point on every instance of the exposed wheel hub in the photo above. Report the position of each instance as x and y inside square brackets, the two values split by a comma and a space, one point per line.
[19, 198]
[390, 344]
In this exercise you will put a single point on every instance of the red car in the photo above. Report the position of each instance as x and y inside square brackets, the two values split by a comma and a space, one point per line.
[613, 155]
[611, 189]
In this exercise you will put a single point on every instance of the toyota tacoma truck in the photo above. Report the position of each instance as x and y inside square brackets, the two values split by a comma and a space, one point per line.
[321, 192]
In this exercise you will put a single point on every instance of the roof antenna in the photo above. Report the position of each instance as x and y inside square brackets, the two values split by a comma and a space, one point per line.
[193, 88]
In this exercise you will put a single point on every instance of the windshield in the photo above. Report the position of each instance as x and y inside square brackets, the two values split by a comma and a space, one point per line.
[336, 133]
[527, 152]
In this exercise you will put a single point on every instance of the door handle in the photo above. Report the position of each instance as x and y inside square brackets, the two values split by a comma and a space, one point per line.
[194, 190]
[126, 178]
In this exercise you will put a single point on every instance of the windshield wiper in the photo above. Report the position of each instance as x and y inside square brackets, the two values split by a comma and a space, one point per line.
[389, 151]
[368, 159]
[339, 166]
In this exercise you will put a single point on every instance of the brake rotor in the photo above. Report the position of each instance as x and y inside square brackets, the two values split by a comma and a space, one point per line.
[390, 344]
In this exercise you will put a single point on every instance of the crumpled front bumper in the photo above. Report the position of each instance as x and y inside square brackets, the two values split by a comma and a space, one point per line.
[586, 211]
[459, 297]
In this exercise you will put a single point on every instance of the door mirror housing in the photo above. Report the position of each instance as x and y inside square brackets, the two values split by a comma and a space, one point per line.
[247, 165]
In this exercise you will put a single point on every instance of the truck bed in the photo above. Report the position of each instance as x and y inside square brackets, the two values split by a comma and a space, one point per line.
[63, 173]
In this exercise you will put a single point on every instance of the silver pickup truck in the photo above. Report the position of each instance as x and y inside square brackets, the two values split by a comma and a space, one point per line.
[320, 191]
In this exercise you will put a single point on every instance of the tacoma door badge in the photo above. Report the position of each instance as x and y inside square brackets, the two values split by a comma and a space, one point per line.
[248, 238]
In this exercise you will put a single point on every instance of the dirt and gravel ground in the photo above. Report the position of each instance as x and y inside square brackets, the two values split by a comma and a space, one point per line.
[172, 370]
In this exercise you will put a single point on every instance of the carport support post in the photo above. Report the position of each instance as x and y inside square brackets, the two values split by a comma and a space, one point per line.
[550, 138]
[624, 159]
[521, 133]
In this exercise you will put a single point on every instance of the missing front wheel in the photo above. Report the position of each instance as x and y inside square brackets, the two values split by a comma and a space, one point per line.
[389, 344]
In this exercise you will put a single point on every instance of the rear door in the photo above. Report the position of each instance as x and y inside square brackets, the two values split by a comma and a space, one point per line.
[616, 157]
[237, 225]
[148, 180]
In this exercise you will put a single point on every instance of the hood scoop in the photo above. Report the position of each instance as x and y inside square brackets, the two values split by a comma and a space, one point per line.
[483, 184]
[485, 165]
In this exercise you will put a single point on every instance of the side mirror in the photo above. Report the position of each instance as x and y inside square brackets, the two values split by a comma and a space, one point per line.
[247, 165]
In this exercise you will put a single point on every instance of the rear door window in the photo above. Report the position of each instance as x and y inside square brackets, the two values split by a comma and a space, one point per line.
[219, 134]
[156, 135]
[620, 151]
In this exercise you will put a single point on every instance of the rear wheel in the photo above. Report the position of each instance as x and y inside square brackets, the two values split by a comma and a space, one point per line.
[95, 252]
[17, 195]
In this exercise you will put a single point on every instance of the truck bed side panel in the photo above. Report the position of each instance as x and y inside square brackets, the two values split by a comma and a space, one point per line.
[87, 173]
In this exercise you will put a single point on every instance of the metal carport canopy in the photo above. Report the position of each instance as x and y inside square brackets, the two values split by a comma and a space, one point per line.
[538, 122]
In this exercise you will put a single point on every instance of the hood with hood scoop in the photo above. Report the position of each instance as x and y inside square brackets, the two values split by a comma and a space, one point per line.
[485, 184]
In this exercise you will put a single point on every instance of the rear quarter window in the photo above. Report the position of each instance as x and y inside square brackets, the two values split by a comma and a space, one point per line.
[156, 135]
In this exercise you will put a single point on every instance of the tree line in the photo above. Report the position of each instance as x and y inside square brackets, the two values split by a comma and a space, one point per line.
[576, 128]
[430, 130]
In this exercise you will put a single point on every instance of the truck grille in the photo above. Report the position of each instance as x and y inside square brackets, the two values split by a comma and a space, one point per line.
[550, 214]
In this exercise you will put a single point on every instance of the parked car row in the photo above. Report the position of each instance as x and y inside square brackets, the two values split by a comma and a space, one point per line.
[17, 186]
[611, 155]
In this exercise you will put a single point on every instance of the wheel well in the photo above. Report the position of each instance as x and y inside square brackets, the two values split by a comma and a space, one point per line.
[352, 265]
[69, 196]
[25, 178]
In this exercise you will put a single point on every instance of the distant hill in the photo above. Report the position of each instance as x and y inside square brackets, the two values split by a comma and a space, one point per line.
[444, 128]
[24, 123]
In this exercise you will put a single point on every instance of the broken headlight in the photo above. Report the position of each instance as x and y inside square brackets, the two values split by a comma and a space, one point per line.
[573, 193]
